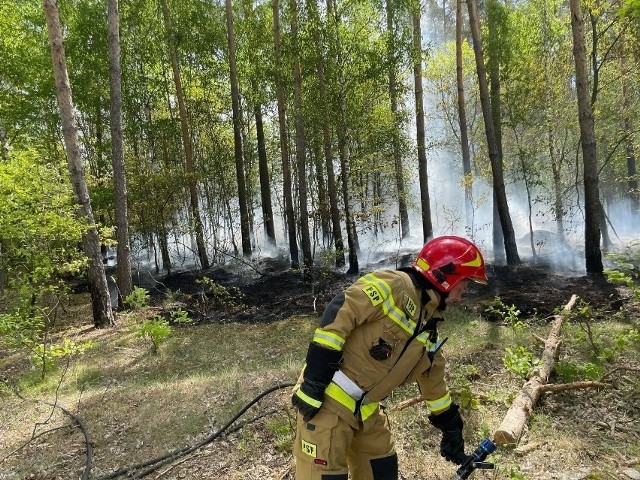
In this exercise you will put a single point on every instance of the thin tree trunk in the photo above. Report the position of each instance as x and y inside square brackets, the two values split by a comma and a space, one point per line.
[632, 174]
[237, 134]
[427, 226]
[511, 248]
[343, 152]
[493, 67]
[403, 213]
[4, 148]
[321, 187]
[100, 298]
[328, 153]
[123, 267]
[558, 209]
[164, 248]
[186, 139]
[284, 147]
[593, 209]
[265, 183]
[301, 143]
[462, 120]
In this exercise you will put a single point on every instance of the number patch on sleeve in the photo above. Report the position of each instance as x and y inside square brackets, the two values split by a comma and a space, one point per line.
[373, 294]
[309, 448]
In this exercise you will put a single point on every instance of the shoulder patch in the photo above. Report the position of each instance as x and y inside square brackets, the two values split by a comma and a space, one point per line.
[374, 294]
[410, 306]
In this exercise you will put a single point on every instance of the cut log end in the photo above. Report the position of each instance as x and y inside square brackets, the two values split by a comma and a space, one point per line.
[504, 438]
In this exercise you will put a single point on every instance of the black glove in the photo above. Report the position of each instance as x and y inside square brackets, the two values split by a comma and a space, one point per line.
[308, 398]
[452, 447]
[322, 363]
[451, 424]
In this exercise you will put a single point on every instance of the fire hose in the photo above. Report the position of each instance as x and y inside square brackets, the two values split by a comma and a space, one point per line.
[140, 470]
[475, 461]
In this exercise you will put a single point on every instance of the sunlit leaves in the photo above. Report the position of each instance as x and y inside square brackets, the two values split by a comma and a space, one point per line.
[39, 232]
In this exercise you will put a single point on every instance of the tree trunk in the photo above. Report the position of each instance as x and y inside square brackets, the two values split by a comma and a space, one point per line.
[328, 154]
[123, 267]
[323, 212]
[100, 298]
[265, 182]
[558, 209]
[510, 247]
[632, 174]
[343, 151]
[427, 226]
[284, 147]
[237, 134]
[301, 143]
[518, 415]
[186, 139]
[593, 209]
[403, 213]
[462, 121]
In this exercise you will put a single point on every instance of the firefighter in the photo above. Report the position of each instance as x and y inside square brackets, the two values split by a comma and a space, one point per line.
[379, 333]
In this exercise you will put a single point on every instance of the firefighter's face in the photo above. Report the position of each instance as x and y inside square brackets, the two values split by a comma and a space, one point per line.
[455, 295]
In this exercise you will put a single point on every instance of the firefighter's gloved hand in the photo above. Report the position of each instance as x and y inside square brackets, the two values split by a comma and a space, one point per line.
[451, 424]
[308, 399]
[452, 446]
[321, 364]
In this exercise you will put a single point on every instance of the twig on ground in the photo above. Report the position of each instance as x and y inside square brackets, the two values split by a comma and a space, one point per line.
[626, 369]
[41, 434]
[284, 474]
[186, 459]
[561, 387]
[407, 403]
[616, 426]
[78, 421]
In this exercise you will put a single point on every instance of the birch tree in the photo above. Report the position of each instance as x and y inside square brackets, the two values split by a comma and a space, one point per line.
[123, 267]
[100, 298]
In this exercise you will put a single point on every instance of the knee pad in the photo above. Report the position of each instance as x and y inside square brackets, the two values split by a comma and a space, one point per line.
[385, 468]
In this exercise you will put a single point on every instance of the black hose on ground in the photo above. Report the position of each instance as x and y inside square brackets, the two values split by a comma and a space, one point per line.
[155, 463]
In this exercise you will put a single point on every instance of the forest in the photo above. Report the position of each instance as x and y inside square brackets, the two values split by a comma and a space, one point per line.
[160, 159]
[198, 132]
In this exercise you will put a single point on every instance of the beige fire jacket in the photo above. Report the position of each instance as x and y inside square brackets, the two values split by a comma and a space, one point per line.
[383, 306]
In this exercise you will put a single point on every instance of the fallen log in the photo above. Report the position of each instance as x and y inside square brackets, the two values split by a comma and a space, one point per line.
[518, 415]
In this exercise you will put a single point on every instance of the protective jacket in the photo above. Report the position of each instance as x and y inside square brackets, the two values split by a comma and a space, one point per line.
[385, 326]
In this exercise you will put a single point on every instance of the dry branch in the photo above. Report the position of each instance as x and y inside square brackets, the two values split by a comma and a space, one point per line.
[518, 415]
[562, 387]
[407, 403]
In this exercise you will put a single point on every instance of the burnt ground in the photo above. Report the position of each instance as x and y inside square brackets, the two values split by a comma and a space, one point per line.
[267, 294]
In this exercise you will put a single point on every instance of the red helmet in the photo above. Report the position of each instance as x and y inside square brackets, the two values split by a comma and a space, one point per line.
[444, 261]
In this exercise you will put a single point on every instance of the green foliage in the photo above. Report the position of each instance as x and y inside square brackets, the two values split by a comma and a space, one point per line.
[156, 329]
[569, 371]
[461, 386]
[218, 297]
[520, 361]
[39, 229]
[40, 236]
[180, 316]
[604, 345]
[509, 313]
[283, 432]
[137, 299]
[44, 356]
[627, 271]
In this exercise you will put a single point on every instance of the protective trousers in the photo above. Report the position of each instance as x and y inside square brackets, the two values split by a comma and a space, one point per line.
[328, 448]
